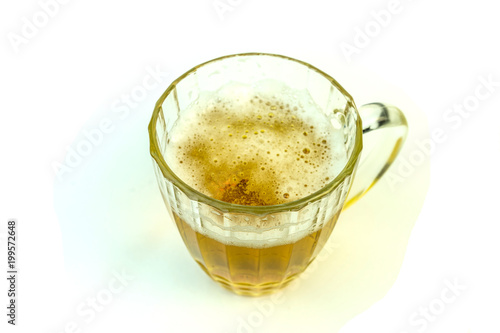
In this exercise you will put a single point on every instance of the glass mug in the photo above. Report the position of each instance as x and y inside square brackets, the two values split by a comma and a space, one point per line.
[255, 250]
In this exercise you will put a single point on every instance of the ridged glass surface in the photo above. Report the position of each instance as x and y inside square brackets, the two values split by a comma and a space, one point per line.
[254, 250]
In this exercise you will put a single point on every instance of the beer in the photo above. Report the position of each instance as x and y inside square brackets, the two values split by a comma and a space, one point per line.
[253, 270]
[255, 145]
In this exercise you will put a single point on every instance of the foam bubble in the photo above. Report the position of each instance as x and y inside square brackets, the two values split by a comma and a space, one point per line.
[264, 144]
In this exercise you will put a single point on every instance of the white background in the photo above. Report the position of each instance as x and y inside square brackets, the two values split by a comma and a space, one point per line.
[71, 72]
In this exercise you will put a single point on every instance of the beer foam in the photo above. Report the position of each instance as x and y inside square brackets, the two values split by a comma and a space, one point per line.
[260, 144]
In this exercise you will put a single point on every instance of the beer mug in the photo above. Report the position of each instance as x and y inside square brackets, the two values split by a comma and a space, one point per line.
[250, 245]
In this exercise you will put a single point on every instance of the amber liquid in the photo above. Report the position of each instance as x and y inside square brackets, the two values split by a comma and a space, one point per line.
[253, 271]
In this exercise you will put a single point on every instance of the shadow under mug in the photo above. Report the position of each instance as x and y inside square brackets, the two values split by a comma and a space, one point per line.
[255, 250]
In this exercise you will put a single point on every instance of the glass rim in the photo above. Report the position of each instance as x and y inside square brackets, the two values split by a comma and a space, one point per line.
[295, 205]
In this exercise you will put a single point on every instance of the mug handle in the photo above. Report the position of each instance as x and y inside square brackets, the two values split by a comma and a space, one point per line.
[387, 126]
